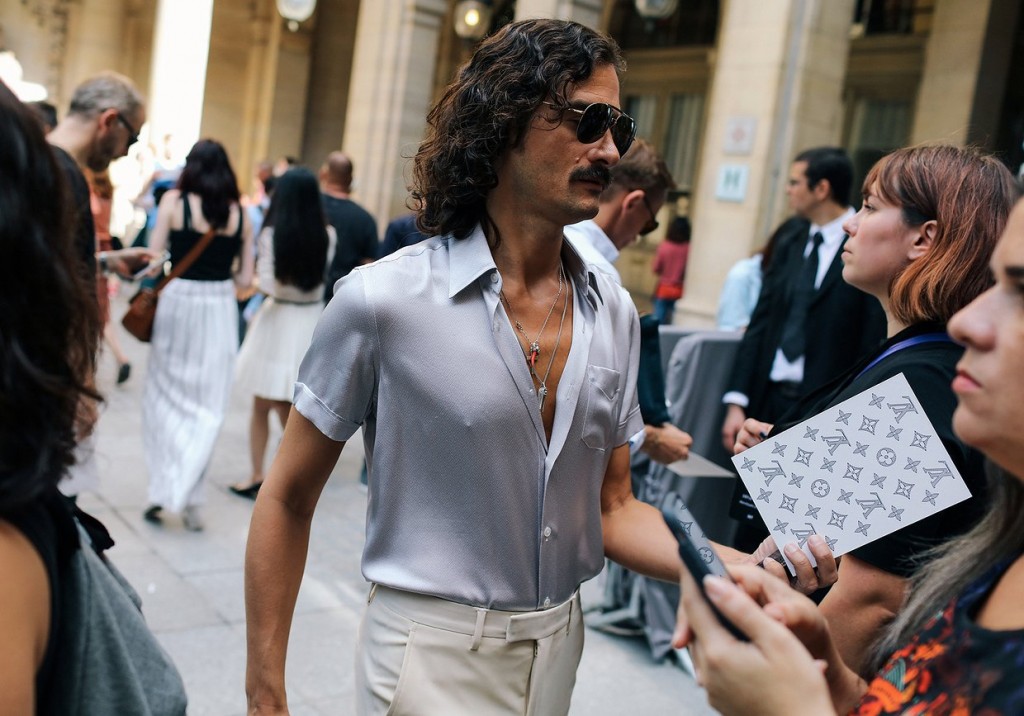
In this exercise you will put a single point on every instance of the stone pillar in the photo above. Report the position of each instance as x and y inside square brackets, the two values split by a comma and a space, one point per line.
[330, 76]
[257, 105]
[392, 82]
[965, 66]
[585, 12]
[178, 78]
[778, 73]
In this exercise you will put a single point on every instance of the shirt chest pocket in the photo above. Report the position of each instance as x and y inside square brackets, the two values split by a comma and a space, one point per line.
[602, 394]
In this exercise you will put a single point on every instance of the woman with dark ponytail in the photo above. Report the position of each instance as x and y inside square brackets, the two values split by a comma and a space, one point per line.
[293, 248]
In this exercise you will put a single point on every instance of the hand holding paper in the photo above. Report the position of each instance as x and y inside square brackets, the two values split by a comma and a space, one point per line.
[856, 472]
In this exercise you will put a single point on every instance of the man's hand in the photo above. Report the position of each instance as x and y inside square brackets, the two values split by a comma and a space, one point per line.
[751, 433]
[666, 444]
[127, 262]
[734, 418]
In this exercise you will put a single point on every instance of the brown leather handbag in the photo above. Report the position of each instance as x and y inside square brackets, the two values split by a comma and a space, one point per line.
[142, 307]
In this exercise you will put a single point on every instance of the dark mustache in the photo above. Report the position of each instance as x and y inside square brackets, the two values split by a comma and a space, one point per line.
[598, 173]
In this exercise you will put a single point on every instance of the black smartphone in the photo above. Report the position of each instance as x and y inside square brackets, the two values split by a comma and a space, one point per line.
[695, 550]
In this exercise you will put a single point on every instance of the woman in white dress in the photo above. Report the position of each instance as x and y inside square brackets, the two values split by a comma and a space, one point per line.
[293, 249]
[195, 334]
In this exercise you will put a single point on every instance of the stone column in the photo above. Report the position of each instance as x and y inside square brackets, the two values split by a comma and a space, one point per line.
[392, 82]
[965, 65]
[778, 75]
[178, 78]
[260, 78]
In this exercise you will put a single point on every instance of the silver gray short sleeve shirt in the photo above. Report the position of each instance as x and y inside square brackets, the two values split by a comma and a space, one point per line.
[467, 501]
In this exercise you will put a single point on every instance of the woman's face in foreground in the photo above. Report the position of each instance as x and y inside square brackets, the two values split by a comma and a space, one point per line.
[880, 246]
[990, 376]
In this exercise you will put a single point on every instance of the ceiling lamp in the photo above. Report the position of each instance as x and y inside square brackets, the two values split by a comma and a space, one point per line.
[472, 19]
[296, 11]
[655, 9]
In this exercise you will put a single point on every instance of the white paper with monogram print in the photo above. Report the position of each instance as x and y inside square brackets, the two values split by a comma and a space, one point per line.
[858, 471]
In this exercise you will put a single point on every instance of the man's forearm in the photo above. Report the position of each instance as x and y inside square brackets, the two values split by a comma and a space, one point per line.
[635, 536]
[275, 558]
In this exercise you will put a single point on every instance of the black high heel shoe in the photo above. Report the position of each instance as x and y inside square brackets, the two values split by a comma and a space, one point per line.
[250, 492]
[152, 515]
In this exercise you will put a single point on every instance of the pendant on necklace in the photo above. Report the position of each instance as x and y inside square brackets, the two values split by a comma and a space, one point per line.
[543, 393]
[534, 354]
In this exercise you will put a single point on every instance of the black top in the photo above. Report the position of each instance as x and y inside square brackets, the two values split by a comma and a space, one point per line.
[357, 238]
[216, 260]
[83, 229]
[48, 525]
[929, 369]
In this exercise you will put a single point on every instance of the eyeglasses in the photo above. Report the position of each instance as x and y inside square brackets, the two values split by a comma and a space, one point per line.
[133, 136]
[596, 119]
[652, 223]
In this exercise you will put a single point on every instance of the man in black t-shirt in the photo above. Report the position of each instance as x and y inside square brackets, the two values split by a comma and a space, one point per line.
[104, 119]
[356, 229]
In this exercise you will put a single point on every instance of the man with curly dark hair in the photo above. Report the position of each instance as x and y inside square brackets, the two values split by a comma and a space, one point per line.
[493, 376]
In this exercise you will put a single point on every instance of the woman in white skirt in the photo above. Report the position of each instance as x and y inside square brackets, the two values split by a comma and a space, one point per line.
[293, 248]
[195, 334]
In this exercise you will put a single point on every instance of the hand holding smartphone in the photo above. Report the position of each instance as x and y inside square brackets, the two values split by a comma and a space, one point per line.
[695, 550]
[156, 261]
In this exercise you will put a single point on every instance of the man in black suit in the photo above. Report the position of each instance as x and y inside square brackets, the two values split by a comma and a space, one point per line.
[809, 326]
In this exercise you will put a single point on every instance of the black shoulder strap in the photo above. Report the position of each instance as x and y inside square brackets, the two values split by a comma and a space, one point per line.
[241, 218]
[187, 224]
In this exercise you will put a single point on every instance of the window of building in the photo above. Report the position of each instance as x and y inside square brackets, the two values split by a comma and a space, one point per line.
[878, 127]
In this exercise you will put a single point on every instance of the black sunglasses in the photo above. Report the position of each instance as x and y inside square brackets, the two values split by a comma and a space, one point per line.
[133, 136]
[596, 119]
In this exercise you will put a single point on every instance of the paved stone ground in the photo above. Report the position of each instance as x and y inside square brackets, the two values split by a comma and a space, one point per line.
[191, 583]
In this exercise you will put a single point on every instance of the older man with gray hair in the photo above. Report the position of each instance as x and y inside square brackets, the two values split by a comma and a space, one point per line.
[105, 117]
[103, 121]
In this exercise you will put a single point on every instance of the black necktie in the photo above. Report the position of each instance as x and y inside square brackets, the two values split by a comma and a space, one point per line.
[794, 338]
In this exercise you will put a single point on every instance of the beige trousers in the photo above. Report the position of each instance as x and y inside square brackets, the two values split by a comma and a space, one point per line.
[424, 656]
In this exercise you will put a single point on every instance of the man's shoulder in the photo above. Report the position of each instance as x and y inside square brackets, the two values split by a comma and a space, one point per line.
[792, 231]
[408, 260]
[70, 167]
[343, 206]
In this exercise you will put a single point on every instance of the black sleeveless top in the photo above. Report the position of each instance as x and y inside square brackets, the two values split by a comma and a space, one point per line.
[215, 262]
[48, 525]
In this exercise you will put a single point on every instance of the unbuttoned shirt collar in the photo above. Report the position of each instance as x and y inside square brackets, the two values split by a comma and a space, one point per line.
[472, 259]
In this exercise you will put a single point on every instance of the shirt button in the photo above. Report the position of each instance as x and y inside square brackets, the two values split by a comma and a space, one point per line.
[547, 601]
[494, 277]
[547, 531]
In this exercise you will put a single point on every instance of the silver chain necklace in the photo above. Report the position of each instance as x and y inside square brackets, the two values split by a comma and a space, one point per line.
[542, 390]
[533, 352]
[534, 346]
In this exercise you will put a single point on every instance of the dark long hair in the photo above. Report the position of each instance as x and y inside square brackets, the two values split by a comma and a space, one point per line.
[486, 111]
[300, 233]
[49, 322]
[208, 173]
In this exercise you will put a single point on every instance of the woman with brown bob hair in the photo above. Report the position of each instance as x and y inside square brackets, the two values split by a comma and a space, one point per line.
[958, 643]
[920, 244]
